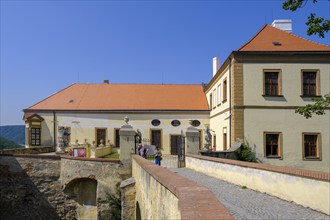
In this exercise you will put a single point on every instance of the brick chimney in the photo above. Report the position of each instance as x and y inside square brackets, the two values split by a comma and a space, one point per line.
[106, 81]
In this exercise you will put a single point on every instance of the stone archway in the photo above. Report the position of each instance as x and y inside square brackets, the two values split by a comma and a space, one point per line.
[84, 192]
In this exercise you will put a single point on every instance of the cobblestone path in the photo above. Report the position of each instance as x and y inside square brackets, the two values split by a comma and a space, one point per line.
[249, 204]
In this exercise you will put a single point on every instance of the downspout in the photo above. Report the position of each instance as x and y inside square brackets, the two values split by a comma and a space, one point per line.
[230, 110]
[54, 120]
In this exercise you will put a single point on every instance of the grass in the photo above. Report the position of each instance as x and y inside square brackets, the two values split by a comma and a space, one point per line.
[112, 155]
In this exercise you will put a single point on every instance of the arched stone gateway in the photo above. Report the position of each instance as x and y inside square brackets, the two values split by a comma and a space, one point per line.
[84, 192]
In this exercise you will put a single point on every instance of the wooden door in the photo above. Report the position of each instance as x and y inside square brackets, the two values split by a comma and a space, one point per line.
[175, 144]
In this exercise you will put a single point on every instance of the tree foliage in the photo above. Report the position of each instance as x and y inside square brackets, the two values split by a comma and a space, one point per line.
[316, 25]
[319, 106]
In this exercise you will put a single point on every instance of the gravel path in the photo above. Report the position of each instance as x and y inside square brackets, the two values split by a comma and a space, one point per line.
[249, 204]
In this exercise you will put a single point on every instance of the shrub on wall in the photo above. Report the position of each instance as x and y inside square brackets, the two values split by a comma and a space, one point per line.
[246, 153]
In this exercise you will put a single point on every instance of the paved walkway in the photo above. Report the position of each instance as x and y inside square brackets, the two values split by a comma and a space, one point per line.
[249, 204]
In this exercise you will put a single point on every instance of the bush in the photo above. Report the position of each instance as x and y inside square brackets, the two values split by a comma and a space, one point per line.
[246, 154]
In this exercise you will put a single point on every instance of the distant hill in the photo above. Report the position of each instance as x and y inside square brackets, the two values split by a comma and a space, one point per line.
[8, 144]
[15, 133]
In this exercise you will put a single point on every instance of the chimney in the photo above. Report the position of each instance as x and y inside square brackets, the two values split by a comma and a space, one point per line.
[216, 65]
[285, 25]
[106, 81]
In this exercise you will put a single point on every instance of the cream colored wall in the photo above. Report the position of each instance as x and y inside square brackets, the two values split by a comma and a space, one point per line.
[304, 191]
[85, 128]
[155, 201]
[219, 115]
[291, 83]
[257, 121]
[292, 125]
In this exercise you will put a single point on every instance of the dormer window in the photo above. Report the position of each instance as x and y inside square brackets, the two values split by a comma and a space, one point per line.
[276, 43]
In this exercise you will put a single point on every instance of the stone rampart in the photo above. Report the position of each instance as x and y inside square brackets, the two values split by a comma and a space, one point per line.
[308, 188]
[30, 150]
[162, 194]
[56, 187]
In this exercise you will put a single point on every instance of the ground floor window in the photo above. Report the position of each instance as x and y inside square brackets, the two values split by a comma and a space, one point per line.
[101, 136]
[156, 138]
[117, 137]
[272, 145]
[175, 144]
[311, 146]
[35, 136]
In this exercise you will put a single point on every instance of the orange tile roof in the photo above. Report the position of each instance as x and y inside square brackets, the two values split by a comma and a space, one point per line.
[263, 41]
[107, 97]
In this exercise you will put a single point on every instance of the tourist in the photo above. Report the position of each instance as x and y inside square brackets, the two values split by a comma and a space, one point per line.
[158, 156]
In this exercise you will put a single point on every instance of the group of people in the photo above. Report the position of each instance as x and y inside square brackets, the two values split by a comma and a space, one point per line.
[143, 152]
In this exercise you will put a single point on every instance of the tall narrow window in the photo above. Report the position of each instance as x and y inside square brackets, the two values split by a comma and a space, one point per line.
[117, 137]
[271, 81]
[101, 135]
[156, 138]
[214, 98]
[311, 146]
[211, 106]
[214, 140]
[309, 87]
[224, 137]
[219, 95]
[224, 92]
[272, 144]
[35, 136]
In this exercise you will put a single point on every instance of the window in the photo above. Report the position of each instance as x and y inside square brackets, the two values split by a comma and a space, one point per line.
[35, 136]
[309, 83]
[195, 123]
[175, 123]
[311, 146]
[117, 137]
[224, 92]
[155, 122]
[101, 134]
[214, 98]
[156, 138]
[272, 145]
[272, 83]
[219, 95]
[211, 101]
[224, 137]
[214, 141]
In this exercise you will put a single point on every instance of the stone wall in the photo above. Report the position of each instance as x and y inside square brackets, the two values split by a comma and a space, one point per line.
[47, 186]
[30, 150]
[31, 189]
[308, 188]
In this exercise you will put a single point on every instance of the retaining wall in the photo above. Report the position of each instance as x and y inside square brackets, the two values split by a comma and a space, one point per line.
[308, 188]
[162, 194]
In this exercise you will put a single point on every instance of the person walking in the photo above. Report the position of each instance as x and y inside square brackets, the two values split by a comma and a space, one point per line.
[158, 156]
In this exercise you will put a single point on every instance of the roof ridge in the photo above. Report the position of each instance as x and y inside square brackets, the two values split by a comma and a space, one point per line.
[164, 84]
[253, 37]
[50, 96]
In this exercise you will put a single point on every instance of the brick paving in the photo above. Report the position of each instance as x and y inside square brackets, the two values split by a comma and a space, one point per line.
[249, 204]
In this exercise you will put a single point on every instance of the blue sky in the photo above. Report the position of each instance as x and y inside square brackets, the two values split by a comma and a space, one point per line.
[48, 45]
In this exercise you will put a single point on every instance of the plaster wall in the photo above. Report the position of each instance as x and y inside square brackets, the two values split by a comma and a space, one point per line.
[83, 125]
[308, 192]
[155, 201]
[291, 83]
[292, 126]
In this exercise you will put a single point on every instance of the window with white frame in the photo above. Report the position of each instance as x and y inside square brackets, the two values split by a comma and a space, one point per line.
[219, 94]
[214, 98]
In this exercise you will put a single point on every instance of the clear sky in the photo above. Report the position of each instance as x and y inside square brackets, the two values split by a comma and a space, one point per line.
[48, 45]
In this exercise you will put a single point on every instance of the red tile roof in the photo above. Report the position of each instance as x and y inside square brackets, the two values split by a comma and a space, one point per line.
[265, 38]
[125, 97]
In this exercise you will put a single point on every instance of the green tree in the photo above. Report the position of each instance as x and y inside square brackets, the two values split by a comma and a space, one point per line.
[319, 106]
[316, 25]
